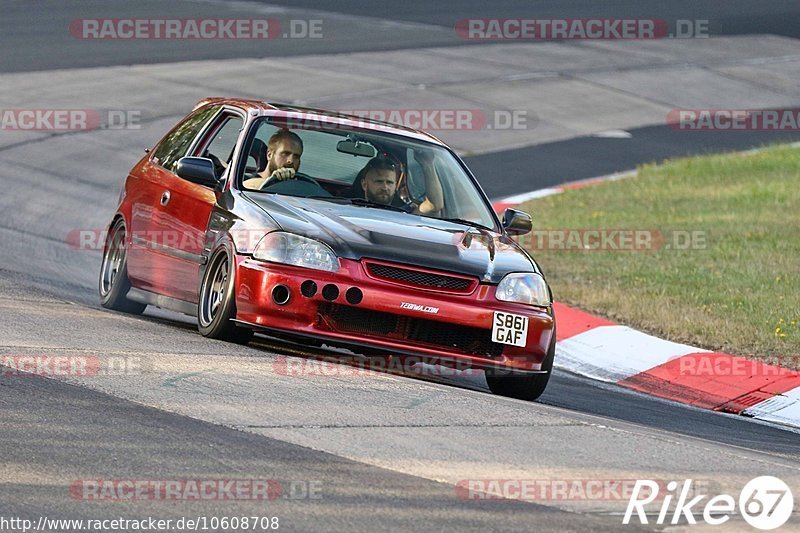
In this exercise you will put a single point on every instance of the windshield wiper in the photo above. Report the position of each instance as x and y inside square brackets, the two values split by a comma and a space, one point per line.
[465, 222]
[362, 202]
[335, 199]
[369, 203]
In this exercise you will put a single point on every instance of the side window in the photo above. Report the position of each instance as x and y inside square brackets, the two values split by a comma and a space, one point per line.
[177, 143]
[220, 148]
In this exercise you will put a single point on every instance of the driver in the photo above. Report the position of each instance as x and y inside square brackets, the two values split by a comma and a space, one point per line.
[379, 182]
[284, 150]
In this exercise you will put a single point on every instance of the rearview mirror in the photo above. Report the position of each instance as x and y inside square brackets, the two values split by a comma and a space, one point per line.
[198, 170]
[355, 148]
[517, 222]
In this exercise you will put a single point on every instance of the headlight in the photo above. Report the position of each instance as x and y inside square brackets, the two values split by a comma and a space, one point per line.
[527, 288]
[291, 249]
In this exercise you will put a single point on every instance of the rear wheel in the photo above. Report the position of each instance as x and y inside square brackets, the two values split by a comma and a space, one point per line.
[114, 283]
[217, 307]
[523, 387]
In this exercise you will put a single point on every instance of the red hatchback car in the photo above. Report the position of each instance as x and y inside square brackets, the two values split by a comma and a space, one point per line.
[306, 224]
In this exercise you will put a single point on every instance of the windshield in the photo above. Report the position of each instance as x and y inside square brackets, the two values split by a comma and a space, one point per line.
[368, 168]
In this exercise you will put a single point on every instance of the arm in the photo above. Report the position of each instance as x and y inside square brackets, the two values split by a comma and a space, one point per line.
[264, 179]
[434, 197]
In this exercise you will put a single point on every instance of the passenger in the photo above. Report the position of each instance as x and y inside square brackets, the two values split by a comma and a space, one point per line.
[284, 150]
[379, 182]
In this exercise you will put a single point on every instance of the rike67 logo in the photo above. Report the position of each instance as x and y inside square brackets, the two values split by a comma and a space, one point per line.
[765, 503]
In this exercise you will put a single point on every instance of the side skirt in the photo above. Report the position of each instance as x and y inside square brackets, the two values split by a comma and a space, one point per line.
[164, 302]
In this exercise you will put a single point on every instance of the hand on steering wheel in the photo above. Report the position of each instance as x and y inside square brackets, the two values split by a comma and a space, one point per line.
[283, 174]
[278, 175]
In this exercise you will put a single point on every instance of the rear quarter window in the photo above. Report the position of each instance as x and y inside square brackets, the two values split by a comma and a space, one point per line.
[177, 143]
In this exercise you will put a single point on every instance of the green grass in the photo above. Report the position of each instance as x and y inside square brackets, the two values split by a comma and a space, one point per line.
[739, 293]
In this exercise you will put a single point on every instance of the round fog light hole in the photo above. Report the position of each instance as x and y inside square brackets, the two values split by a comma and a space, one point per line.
[308, 288]
[281, 294]
[354, 296]
[330, 292]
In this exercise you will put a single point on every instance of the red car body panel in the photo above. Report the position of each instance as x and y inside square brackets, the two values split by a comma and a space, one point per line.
[256, 279]
[180, 224]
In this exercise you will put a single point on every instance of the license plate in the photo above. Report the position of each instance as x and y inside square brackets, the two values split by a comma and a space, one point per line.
[508, 328]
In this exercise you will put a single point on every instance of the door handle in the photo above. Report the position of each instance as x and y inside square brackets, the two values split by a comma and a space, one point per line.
[165, 198]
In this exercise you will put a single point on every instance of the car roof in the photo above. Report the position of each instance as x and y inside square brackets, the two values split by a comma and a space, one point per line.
[318, 116]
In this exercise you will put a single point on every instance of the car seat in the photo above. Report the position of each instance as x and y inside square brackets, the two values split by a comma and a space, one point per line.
[258, 151]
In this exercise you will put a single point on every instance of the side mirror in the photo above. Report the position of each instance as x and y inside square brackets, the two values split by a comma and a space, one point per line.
[517, 222]
[198, 170]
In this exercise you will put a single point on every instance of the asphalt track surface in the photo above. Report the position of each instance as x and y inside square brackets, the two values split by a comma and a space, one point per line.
[725, 17]
[92, 430]
[351, 25]
[52, 433]
[548, 164]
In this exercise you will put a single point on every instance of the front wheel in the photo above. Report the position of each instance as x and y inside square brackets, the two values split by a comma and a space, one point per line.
[523, 387]
[114, 283]
[217, 307]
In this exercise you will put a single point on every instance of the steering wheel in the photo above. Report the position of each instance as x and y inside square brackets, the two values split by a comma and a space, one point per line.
[297, 176]
[303, 177]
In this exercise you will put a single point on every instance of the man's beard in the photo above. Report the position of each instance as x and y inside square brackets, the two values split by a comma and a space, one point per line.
[379, 198]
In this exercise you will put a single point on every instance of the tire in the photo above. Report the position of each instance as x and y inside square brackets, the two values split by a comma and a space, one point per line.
[217, 305]
[114, 284]
[523, 387]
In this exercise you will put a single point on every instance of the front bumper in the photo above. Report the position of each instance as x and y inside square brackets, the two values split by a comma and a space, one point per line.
[389, 317]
